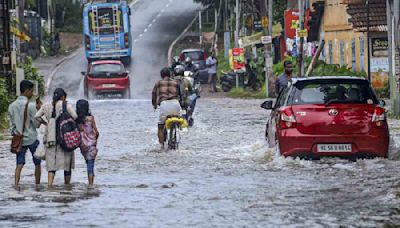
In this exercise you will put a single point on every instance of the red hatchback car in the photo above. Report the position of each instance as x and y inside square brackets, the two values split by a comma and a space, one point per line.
[328, 116]
[106, 77]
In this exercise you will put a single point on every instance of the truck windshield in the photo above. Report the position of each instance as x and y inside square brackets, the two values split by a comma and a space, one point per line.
[105, 21]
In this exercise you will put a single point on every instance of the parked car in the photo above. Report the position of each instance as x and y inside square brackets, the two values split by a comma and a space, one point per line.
[328, 116]
[198, 57]
[106, 77]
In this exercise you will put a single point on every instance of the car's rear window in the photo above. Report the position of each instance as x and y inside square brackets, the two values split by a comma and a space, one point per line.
[107, 68]
[195, 55]
[325, 91]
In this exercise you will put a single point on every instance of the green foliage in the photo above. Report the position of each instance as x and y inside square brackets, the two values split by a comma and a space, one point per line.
[278, 11]
[321, 69]
[243, 93]
[223, 63]
[3, 96]
[31, 73]
[68, 16]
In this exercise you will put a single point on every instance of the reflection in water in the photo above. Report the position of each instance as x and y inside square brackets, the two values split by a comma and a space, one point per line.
[222, 172]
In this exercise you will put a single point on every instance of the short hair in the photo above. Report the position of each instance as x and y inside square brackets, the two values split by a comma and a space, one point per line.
[25, 85]
[165, 72]
[287, 62]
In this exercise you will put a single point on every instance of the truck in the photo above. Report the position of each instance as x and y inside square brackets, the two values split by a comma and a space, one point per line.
[107, 30]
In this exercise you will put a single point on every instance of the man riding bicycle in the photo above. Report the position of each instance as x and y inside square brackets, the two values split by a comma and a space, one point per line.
[166, 94]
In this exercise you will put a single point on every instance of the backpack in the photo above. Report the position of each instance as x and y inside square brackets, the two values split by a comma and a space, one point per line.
[67, 131]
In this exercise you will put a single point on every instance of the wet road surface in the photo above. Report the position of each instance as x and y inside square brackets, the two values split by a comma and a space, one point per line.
[223, 175]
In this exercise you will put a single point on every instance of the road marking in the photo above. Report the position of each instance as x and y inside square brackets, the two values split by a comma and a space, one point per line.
[167, 5]
[134, 2]
[141, 35]
[150, 25]
[145, 30]
[154, 20]
[162, 11]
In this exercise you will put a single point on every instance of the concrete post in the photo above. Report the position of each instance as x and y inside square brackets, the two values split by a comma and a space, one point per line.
[396, 12]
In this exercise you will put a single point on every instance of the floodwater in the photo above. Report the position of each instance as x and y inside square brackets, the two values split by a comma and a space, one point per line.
[223, 175]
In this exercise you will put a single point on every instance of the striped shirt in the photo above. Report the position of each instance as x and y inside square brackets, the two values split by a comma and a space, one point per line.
[166, 89]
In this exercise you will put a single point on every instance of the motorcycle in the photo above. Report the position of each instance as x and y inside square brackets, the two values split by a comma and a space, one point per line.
[192, 98]
[228, 81]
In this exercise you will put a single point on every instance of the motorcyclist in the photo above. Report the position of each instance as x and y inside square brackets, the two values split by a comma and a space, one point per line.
[175, 63]
[189, 66]
[166, 94]
[189, 96]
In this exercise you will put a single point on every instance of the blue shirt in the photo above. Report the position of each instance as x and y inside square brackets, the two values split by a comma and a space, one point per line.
[16, 114]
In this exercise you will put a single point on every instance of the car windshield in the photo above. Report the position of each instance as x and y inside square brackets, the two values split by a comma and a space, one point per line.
[107, 68]
[195, 55]
[328, 91]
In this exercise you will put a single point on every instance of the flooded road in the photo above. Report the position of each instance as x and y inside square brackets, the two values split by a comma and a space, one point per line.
[223, 176]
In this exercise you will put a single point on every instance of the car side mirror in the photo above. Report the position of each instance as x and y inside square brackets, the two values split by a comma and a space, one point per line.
[83, 73]
[129, 11]
[267, 105]
[382, 103]
[127, 72]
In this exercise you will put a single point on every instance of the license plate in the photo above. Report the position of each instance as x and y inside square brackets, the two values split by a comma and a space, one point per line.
[334, 148]
[106, 39]
[108, 85]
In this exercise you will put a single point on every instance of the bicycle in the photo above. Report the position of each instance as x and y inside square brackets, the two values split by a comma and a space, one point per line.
[173, 125]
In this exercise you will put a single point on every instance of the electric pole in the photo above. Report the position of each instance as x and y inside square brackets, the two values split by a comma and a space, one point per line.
[266, 13]
[395, 89]
[301, 46]
[237, 23]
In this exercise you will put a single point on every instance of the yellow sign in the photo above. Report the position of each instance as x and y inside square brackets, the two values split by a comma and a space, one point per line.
[264, 22]
[302, 33]
[295, 24]
[19, 34]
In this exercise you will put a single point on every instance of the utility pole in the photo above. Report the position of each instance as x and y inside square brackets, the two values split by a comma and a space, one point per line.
[266, 13]
[237, 23]
[201, 29]
[368, 43]
[395, 99]
[301, 46]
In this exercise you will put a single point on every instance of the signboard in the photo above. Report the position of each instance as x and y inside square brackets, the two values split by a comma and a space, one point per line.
[302, 33]
[251, 40]
[257, 24]
[291, 21]
[237, 59]
[264, 22]
[380, 47]
[380, 72]
[295, 24]
[266, 39]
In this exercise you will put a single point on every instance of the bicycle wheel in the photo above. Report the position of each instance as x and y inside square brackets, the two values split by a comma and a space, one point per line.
[172, 143]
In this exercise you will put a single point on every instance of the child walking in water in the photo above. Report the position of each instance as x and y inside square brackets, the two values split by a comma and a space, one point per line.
[90, 134]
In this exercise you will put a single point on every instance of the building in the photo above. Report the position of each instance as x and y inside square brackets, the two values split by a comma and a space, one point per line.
[344, 25]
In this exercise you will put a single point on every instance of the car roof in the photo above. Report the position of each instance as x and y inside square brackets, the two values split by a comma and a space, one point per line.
[106, 62]
[192, 50]
[295, 80]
